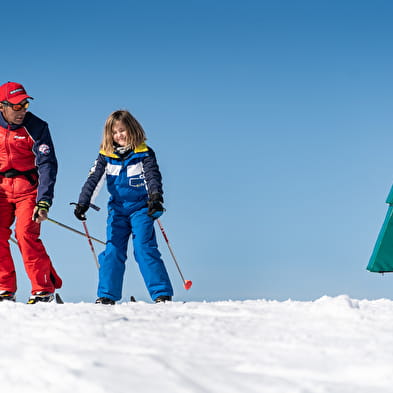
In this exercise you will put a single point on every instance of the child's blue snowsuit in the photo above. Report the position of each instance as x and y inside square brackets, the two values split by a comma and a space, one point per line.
[130, 180]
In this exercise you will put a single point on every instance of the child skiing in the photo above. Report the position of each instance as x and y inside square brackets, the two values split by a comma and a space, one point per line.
[134, 183]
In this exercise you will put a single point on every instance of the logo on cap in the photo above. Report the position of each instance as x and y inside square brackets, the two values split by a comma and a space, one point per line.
[17, 90]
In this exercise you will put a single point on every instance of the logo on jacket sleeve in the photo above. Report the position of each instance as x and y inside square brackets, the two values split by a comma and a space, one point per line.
[44, 149]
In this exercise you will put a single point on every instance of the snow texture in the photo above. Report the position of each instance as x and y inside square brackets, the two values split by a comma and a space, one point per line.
[330, 345]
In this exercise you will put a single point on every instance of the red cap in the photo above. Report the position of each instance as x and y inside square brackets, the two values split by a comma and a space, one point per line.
[13, 92]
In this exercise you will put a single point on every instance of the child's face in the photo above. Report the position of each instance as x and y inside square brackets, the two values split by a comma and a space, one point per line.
[119, 133]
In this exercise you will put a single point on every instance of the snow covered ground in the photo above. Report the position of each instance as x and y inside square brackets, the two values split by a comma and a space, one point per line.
[330, 345]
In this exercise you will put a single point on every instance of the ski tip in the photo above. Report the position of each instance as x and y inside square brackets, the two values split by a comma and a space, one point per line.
[59, 300]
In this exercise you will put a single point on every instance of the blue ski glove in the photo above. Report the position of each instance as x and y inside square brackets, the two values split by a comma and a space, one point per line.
[155, 207]
[80, 211]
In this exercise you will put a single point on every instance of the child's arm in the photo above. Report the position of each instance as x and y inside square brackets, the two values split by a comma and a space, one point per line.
[93, 183]
[154, 185]
[152, 174]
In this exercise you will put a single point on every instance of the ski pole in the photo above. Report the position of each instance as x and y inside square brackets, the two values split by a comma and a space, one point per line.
[74, 230]
[89, 238]
[186, 283]
[91, 244]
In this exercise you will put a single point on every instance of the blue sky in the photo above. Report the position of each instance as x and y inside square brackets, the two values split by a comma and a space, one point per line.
[271, 121]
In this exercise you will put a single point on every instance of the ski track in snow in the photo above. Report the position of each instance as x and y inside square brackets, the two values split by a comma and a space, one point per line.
[330, 345]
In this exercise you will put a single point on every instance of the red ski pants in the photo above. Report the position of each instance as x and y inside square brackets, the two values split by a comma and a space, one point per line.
[37, 263]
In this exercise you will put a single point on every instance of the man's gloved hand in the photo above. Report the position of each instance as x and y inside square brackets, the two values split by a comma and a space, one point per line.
[40, 212]
[155, 208]
[80, 211]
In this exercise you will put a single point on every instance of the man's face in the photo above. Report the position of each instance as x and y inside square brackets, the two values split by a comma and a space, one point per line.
[13, 116]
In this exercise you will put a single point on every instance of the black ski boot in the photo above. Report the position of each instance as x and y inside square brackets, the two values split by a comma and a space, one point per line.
[44, 297]
[105, 300]
[163, 299]
[7, 295]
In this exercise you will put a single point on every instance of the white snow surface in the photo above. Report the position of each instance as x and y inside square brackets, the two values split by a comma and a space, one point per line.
[330, 345]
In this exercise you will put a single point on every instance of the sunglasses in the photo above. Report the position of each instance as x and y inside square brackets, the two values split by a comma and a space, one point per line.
[17, 107]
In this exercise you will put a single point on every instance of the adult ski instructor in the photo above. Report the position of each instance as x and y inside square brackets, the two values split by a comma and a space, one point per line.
[28, 169]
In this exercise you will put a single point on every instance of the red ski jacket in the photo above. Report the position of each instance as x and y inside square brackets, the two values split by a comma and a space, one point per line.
[27, 148]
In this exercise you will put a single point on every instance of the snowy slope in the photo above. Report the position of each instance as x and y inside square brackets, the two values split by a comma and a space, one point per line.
[332, 345]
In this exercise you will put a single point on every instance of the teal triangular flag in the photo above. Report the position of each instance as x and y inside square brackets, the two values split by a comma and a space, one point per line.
[381, 260]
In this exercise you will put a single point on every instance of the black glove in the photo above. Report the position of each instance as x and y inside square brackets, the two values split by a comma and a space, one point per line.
[41, 205]
[155, 208]
[80, 211]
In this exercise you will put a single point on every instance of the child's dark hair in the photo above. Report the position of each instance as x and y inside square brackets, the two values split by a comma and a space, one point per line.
[135, 136]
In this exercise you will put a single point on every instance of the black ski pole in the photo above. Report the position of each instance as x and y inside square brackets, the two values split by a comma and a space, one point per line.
[74, 230]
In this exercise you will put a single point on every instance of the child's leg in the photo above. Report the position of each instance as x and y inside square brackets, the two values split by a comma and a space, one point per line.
[147, 255]
[112, 260]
